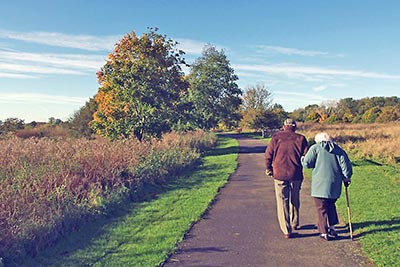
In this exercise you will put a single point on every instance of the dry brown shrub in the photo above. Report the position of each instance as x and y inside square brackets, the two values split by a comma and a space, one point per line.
[376, 141]
[54, 131]
[46, 182]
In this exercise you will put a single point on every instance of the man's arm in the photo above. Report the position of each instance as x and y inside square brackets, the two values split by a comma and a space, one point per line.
[269, 156]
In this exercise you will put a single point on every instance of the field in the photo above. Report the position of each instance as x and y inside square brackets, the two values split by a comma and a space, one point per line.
[377, 141]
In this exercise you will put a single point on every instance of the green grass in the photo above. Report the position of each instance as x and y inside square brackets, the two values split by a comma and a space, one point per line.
[144, 234]
[374, 197]
[375, 210]
[255, 135]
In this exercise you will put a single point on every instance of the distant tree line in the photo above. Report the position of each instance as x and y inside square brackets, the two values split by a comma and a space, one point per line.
[349, 110]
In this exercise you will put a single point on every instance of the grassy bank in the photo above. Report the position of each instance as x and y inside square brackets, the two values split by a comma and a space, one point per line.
[143, 234]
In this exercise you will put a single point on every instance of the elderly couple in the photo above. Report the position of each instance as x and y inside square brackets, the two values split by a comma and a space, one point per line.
[285, 156]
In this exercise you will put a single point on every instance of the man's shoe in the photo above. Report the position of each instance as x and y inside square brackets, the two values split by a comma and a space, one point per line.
[325, 237]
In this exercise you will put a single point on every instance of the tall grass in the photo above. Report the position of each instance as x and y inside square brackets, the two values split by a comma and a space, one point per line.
[47, 187]
[376, 141]
[146, 232]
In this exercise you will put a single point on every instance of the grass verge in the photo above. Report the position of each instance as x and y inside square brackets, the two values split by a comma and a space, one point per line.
[145, 233]
[374, 204]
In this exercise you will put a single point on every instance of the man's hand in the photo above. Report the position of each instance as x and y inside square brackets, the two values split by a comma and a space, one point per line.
[268, 172]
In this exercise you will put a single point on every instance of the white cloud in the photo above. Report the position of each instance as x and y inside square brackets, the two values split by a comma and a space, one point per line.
[40, 98]
[191, 46]
[21, 68]
[16, 76]
[23, 65]
[320, 88]
[91, 62]
[289, 51]
[85, 42]
[299, 70]
[293, 100]
[326, 86]
[301, 95]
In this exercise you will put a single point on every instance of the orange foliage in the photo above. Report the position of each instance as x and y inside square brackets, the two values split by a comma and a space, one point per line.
[105, 102]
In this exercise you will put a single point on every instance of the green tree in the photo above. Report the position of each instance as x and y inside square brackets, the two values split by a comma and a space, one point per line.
[51, 121]
[142, 87]
[256, 101]
[313, 116]
[213, 90]
[346, 109]
[371, 114]
[280, 114]
[389, 114]
[258, 98]
[311, 113]
[12, 125]
[79, 121]
[333, 118]
[298, 114]
[392, 101]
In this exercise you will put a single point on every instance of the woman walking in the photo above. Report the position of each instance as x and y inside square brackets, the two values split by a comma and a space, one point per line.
[331, 166]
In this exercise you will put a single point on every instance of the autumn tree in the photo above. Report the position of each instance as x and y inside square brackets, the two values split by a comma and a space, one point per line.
[258, 110]
[256, 101]
[213, 90]
[142, 87]
[311, 113]
[257, 97]
[389, 113]
[371, 114]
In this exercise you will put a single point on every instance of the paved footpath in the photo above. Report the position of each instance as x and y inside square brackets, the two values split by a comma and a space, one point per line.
[241, 228]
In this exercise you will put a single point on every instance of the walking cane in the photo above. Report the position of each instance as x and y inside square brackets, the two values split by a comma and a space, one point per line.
[348, 213]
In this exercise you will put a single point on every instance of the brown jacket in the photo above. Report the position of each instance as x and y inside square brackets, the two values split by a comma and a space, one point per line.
[283, 153]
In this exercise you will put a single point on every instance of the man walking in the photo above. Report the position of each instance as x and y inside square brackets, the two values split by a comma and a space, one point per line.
[282, 160]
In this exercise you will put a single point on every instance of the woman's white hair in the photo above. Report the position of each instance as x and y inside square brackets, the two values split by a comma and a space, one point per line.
[319, 137]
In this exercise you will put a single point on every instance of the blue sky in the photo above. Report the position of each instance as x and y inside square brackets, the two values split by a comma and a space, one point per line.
[304, 52]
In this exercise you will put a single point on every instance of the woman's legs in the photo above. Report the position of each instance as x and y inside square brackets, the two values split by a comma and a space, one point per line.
[332, 213]
[321, 206]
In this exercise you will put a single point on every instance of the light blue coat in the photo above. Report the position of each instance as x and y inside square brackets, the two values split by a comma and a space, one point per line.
[331, 166]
